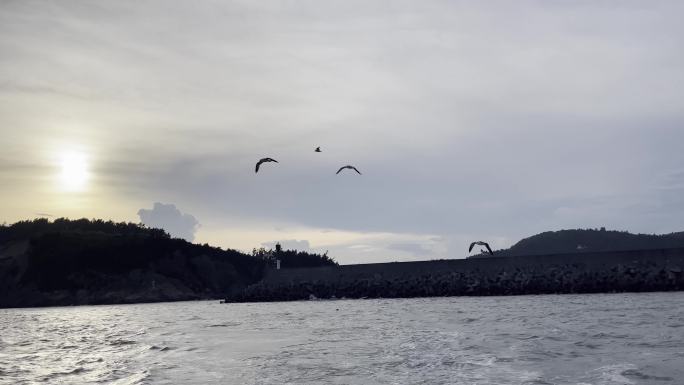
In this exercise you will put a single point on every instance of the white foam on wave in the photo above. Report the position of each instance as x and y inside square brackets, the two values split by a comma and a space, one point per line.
[137, 378]
[613, 374]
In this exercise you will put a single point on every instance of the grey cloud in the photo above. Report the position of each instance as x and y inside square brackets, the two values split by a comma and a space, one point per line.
[169, 218]
[463, 119]
[487, 182]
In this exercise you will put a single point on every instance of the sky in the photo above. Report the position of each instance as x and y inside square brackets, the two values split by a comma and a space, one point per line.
[469, 120]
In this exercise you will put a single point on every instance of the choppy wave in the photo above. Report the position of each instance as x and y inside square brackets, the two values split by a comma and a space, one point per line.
[561, 340]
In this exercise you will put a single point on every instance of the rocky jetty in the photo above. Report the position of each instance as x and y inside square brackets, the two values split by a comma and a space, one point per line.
[630, 271]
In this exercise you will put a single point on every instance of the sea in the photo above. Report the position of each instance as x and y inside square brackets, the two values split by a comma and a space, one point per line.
[536, 339]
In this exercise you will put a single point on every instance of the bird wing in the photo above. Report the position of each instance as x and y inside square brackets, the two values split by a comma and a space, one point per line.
[471, 247]
[262, 160]
[354, 168]
[489, 248]
[341, 168]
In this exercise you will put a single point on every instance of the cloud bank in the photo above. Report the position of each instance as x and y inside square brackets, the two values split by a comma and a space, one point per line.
[469, 120]
[169, 218]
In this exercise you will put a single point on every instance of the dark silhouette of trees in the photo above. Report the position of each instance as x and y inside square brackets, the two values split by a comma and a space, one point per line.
[104, 257]
[32, 228]
[293, 258]
[590, 240]
[64, 249]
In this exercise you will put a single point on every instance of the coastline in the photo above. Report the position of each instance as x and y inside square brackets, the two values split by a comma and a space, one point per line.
[605, 272]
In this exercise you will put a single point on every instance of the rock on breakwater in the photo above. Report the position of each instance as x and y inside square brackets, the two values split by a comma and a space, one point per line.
[634, 271]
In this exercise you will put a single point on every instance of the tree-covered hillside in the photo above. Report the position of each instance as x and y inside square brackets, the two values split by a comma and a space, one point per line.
[93, 261]
[590, 240]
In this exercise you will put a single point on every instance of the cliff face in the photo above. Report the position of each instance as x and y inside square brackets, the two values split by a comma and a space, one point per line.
[636, 271]
[75, 265]
[182, 272]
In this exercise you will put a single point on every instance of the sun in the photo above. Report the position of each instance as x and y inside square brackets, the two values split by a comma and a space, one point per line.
[74, 171]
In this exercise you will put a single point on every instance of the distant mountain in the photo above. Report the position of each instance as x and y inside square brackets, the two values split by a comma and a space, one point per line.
[83, 261]
[589, 240]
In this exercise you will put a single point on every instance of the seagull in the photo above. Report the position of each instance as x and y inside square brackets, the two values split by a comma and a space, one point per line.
[485, 244]
[349, 167]
[318, 149]
[262, 161]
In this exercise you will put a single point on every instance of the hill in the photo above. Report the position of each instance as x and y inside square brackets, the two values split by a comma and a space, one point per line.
[83, 261]
[589, 240]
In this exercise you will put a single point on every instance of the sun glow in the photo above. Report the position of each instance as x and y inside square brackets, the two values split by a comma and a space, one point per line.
[74, 171]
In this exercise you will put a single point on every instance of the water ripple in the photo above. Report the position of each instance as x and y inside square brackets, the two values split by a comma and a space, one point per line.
[563, 340]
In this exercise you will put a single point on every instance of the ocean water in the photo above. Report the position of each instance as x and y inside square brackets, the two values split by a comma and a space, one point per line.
[550, 339]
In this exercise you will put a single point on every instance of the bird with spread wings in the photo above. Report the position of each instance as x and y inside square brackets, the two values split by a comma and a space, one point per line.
[480, 243]
[349, 167]
[263, 160]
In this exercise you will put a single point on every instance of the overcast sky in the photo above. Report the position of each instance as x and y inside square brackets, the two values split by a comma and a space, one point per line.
[478, 120]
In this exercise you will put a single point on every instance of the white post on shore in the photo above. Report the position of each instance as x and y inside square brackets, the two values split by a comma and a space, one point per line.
[277, 264]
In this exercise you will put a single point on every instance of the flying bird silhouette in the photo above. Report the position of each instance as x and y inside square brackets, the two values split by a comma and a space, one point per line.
[349, 167]
[263, 160]
[318, 149]
[485, 244]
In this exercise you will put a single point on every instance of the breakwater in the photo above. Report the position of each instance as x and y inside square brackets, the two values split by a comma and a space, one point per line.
[620, 271]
